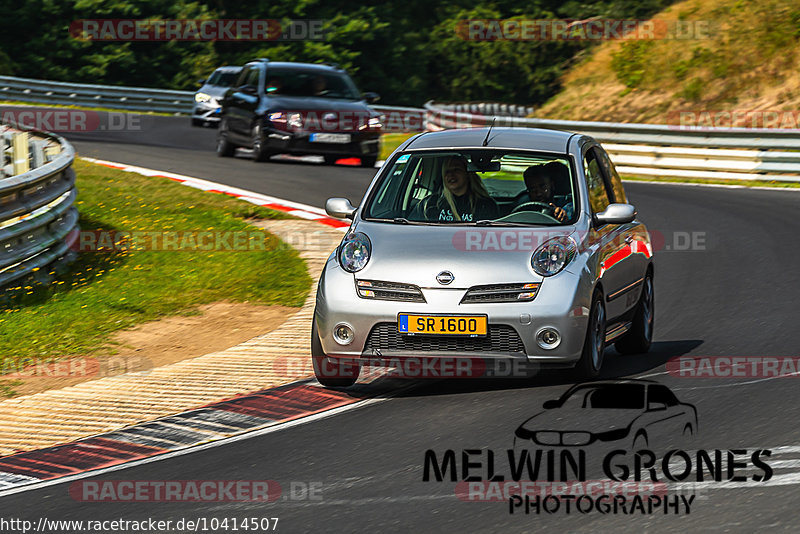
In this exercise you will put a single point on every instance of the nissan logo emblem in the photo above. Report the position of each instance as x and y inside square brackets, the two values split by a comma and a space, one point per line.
[445, 277]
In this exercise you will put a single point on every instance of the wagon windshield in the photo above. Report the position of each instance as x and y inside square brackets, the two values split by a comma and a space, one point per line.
[476, 187]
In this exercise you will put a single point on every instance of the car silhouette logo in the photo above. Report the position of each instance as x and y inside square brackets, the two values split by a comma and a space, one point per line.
[329, 116]
[642, 413]
[445, 277]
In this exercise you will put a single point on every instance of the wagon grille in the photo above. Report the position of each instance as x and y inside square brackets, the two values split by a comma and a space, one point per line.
[380, 290]
[500, 338]
[522, 292]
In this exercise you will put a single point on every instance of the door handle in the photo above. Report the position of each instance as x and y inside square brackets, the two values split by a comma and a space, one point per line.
[628, 239]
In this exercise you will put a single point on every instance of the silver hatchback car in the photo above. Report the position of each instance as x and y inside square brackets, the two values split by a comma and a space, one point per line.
[494, 245]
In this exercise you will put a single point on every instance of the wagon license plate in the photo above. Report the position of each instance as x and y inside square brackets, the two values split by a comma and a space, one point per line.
[329, 138]
[442, 325]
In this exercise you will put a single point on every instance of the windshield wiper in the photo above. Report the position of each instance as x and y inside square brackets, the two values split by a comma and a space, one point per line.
[489, 222]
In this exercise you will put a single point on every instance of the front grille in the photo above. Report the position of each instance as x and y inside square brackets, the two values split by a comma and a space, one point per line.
[501, 338]
[380, 290]
[521, 292]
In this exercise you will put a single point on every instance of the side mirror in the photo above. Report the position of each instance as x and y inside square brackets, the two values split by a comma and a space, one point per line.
[371, 97]
[656, 406]
[201, 82]
[339, 208]
[616, 214]
[248, 89]
[549, 405]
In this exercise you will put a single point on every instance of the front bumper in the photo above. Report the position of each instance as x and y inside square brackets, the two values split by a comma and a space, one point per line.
[206, 113]
[364, 144]
[562, 303]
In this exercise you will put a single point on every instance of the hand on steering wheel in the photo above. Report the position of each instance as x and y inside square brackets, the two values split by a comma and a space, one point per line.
[543, 207]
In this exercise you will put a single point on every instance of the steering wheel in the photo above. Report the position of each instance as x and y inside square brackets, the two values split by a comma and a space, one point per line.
[535, 206]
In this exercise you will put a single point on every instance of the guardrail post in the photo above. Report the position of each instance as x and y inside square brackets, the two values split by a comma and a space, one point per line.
[20, 153]
[37, 153]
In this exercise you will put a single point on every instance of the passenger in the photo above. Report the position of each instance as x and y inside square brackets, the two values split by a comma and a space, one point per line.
[463, 198]
[540, 182]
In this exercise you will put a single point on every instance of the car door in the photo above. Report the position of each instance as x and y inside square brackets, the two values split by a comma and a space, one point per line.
[666, 417]
[240, 104]
[611, 252]
[634, 234]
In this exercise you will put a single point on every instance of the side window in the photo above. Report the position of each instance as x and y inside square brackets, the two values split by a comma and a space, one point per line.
[662, 394]
[243, 76]
[252, 77]
[596, 184]
[611, 172]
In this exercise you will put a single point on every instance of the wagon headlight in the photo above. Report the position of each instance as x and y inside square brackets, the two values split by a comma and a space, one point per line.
[553, 255]
[295, 120]
[354, 252]
[202, 97]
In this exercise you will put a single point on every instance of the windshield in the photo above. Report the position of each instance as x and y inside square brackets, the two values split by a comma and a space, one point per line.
[310, 82]
[609, 396]
[223, 79]
[465, 187]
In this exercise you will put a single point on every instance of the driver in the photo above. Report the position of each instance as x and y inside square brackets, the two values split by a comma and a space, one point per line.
[463, 198]
[540, 180]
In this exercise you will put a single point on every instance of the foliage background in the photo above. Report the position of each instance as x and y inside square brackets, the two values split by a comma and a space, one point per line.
[408, 51]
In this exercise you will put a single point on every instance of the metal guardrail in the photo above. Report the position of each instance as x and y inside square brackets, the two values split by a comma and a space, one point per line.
[103, 96]
[661, 149]
[113, 97]
[640, 149]
[38, 222]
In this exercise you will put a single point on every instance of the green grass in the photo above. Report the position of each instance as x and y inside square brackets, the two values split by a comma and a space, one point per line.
[745, 183]
[104, 292]
[390, 142]
[88, 108]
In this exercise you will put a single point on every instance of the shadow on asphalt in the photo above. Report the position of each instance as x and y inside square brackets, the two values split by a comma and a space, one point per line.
[615, 366]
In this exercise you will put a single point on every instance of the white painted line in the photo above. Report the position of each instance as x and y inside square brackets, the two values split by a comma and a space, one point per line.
[199, 183]
[724, 186]
[197, 448]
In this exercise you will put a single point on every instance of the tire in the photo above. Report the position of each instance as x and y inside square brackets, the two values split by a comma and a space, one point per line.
[225, 149]
[640, 442]
[369, 161]
[330, 372]
[594, 344]
[260, 151]
[331, 160]
[638, 339]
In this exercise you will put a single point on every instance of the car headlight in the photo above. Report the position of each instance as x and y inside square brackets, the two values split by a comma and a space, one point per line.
[295, 120]
[202, 97]
[277, 116]
[553, 255]
[354, 252]
[376, 122]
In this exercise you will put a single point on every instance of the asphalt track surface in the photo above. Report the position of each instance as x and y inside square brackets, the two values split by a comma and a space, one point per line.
[734, 296]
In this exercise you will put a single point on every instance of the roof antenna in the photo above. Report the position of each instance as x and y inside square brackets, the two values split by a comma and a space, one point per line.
[486, 140]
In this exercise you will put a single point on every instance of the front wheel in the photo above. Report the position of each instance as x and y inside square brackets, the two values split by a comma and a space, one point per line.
[331, 372]
[638, 339]
[595, 343]
[225, 149]
[260, 151]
